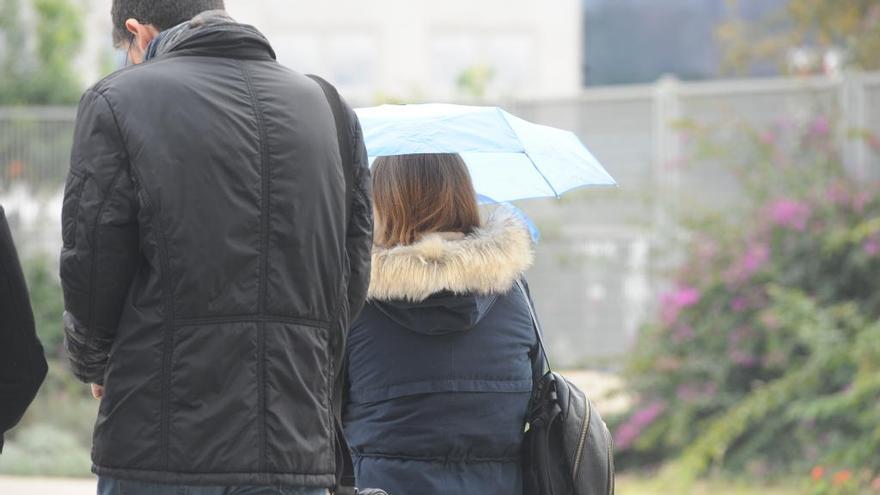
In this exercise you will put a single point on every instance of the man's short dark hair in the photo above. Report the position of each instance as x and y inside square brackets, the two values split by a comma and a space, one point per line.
[162, 14]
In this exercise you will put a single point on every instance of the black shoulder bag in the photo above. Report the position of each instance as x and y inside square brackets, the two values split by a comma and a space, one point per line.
[567, 449]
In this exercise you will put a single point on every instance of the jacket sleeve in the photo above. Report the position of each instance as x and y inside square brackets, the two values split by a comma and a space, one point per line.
[100, 235]
[359, 237]
[22, 363]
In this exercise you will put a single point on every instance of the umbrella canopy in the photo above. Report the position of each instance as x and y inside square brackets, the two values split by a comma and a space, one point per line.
[508, 157]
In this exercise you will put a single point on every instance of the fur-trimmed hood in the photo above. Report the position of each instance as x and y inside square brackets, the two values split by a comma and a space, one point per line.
[488, 261]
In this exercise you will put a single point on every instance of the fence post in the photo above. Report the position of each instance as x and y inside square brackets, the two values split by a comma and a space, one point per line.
[854, 116]
[667, 149]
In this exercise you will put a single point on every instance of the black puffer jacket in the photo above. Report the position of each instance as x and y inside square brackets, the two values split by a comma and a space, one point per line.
[208, 271]
[22, 363]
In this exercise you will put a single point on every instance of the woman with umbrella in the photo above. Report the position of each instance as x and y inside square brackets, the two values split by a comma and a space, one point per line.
[439, 360]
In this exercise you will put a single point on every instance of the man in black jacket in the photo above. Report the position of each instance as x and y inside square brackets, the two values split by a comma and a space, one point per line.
[22, 363]
[210, 268]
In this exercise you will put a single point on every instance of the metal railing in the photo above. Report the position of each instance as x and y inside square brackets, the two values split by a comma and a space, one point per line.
[593, 277]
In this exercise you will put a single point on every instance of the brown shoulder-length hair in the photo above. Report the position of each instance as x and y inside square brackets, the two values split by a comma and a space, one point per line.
[419, 194]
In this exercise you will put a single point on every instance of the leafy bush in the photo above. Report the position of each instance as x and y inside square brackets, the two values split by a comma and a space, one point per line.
[47, 301]
[765, 356]
[37, 63]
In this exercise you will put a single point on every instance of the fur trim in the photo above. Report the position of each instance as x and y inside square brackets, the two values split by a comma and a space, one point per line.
[489, 261]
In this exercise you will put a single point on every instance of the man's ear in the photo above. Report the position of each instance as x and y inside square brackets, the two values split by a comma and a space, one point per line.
[143, 33]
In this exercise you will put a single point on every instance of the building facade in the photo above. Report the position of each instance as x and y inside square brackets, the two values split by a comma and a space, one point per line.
[411, 50]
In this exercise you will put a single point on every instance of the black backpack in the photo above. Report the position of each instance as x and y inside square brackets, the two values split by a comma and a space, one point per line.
[567, 449]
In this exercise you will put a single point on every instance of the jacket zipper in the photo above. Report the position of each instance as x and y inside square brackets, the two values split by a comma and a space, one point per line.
[580, 449]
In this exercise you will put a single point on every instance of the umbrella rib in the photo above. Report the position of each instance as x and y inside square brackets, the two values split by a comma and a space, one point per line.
[546, 181]
[526, 152]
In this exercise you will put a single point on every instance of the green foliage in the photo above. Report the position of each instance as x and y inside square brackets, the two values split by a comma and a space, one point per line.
[44, 75]
[809, 393]
[852, 26]
[765, 356]
[474, 81]
[47, 302]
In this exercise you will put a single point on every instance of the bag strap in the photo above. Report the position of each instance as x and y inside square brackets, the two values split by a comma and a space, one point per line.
[343, 134]
[345, 481]
[540, 446]
[536, 326]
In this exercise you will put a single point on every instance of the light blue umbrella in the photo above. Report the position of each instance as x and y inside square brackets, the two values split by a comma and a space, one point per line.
[508, 157]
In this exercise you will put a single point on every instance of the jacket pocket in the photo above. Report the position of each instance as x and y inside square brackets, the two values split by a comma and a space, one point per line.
[70, 208]
[300, 430]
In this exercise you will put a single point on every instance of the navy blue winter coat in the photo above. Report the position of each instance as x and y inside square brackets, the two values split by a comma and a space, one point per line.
[440, 365]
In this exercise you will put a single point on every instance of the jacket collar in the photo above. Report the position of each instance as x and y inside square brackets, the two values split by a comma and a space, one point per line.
[212, 33]
[488, 261]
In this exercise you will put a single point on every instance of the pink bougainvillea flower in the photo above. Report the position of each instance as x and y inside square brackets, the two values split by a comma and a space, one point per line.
[667, 364]
[691, 392]
[789, 213]
[630, 430]
[686, 296]
[755, 257]
[739, 334]
[710, 390]
[820, 126]
[768, 137]
[707, 249]
[739, 304]
[872, 246]
[860, 201]
[743, 359]
[874, 141]
[687, 393]
[738, 355]
[780, 159]
[673, 302]
[837, 194]
[683, 333]
[771, 320]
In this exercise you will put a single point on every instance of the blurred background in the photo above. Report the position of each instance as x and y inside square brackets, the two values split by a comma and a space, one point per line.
[721, 306]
